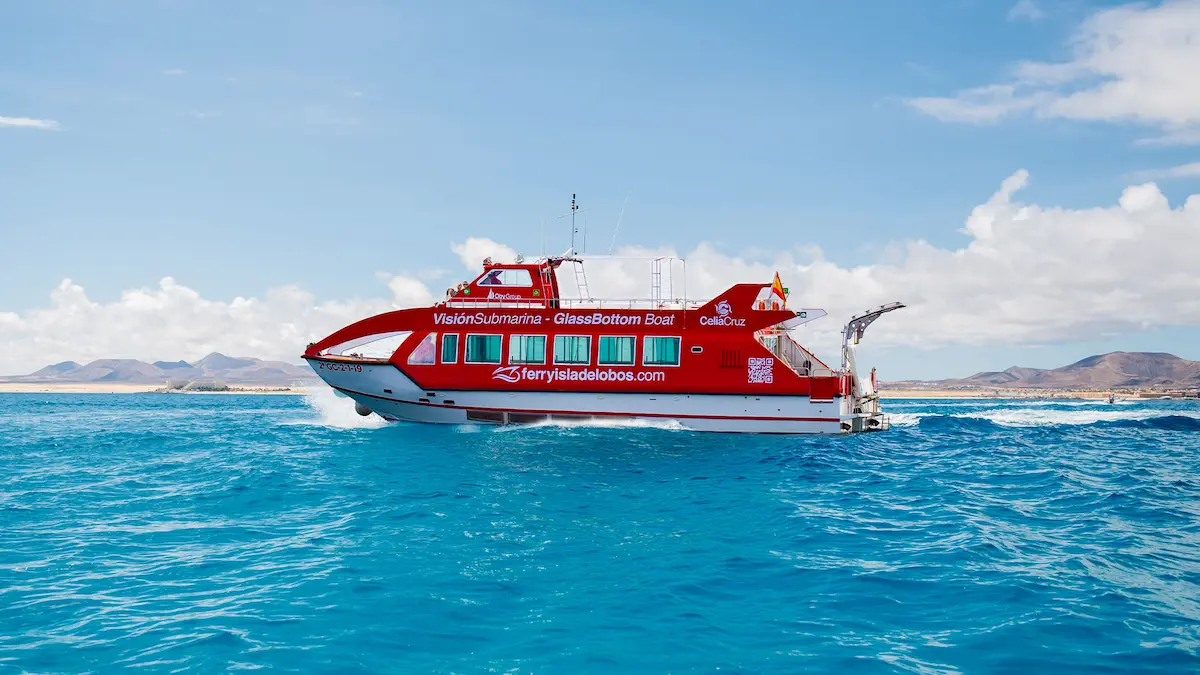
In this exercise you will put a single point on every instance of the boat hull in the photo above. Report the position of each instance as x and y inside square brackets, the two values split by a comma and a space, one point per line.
[388, 392]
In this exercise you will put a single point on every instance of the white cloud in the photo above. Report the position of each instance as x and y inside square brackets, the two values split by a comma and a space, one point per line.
[173, 72]
[1134, 63]
[172, 321]
[1026, 274]
[1182, 171]
[409, 292]
[1173, 137]
[1026, 10]
[472, 252]
[29, 123]
[981, 105]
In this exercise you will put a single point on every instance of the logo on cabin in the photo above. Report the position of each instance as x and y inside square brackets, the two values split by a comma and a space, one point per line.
[493, 295]
[723, 318]
[509, 374]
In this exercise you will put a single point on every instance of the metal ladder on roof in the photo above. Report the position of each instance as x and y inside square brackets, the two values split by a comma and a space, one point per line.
[581, 281]
[656, 281]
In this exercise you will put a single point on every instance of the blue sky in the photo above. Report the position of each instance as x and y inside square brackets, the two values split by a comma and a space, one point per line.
[239, 146]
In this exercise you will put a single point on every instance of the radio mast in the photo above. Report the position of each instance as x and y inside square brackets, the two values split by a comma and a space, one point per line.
[575, 230]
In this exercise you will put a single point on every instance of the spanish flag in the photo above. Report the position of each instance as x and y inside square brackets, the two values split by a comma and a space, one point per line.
[777, 289]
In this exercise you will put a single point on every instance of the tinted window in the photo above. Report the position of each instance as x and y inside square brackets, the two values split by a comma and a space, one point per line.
[616, 350]
[572, 349]
[527, 349]
[660, 351]
[449, 348]
[483, 349]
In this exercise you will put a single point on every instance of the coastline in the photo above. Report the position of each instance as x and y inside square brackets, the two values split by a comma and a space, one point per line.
[1038, 394]
[126, 388]
[999, 393]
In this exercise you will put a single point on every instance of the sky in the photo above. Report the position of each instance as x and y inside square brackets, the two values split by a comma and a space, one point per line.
[183, 176]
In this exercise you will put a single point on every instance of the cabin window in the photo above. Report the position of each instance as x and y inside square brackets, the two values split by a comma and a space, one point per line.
[527, 349]
[573, 350]
[483, 349]
[425, 352]
[660, 351]
[616, 350]
[450, 348]
[506, 278]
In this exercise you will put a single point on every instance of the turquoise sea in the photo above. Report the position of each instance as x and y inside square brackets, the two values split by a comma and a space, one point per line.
[155, 533]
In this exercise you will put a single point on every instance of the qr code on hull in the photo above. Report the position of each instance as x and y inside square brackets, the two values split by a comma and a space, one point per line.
[758, 371]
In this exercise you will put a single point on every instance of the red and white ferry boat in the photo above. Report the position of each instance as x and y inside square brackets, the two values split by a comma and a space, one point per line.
[507, 348]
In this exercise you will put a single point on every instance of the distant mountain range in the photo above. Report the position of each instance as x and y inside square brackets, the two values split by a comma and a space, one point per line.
[1104, 371]
[215, 367]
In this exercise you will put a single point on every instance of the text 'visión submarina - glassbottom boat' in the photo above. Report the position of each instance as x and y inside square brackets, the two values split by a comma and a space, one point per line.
[506, 348]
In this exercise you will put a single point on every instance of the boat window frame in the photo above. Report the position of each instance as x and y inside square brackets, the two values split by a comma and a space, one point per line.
[526, 283]
[574, 335]
[508, 352]
[442, 351]
[633, 356]
[679, 352]
[431, 336]
[467, 345]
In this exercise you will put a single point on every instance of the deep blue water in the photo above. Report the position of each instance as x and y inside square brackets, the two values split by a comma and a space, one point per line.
[205, 533]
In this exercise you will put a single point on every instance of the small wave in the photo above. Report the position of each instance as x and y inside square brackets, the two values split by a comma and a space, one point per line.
[956, 423]
[906, 419]
[1033, 417]
[1166, 422]
[1006, 403]
[1043, 417]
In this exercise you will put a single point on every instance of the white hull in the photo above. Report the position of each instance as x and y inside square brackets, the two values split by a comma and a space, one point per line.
[389, 393]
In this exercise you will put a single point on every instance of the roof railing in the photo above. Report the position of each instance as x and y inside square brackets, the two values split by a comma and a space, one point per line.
[590, 303]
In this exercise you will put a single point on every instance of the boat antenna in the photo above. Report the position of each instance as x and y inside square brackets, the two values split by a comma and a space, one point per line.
[574, 210]
[617, 229]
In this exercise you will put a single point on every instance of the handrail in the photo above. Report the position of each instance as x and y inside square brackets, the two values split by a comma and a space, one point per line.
[799, 359]
[352, 358]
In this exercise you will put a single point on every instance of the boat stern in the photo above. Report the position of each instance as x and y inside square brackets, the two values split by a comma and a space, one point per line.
[866, 417]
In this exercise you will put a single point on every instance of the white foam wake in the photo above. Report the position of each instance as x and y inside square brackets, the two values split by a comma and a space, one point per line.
[1034, 417]
[598, 423]
[1037, 413]
[334, 410]
[906, 419]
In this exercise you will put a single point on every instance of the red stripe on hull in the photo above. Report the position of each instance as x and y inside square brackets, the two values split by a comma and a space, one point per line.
[593, 413]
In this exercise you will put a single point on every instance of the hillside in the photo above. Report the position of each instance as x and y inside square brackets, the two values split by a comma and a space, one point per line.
[215, 367]
[1104, 371]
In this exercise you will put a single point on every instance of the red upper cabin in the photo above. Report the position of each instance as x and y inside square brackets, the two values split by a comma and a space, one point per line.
[510, 330]
[535, 284]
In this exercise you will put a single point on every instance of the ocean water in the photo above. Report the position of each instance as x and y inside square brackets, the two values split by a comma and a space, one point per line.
[210, 533]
